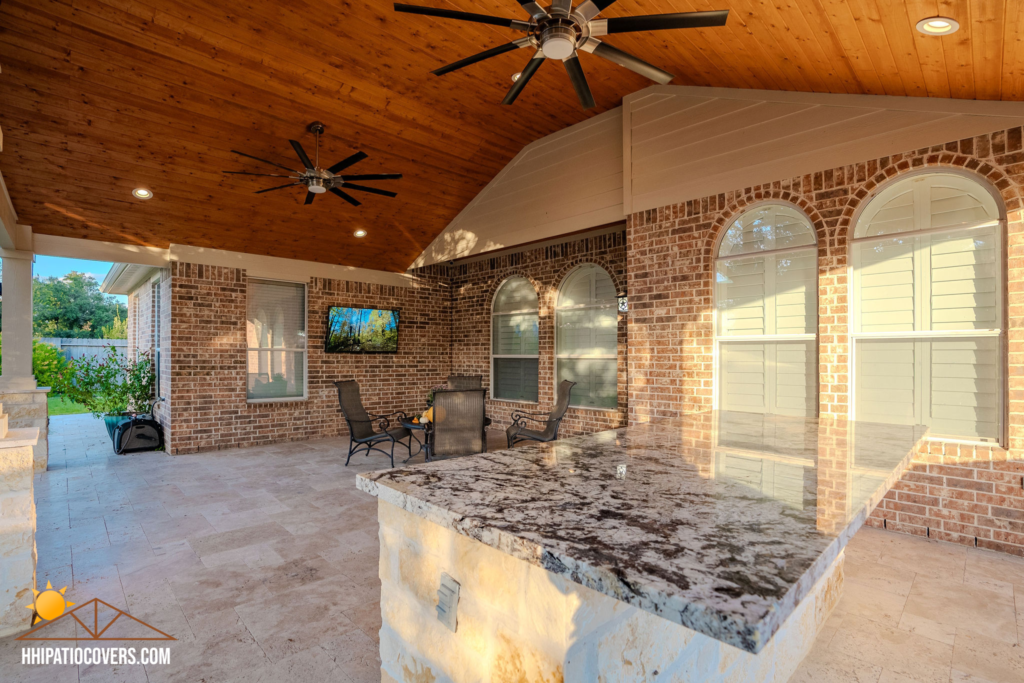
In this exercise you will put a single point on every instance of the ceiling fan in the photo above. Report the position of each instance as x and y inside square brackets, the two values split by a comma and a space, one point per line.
[319, 180]
[561, 31]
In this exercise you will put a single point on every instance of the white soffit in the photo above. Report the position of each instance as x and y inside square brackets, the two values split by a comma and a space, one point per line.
[125, 278]
[568, 181]
[683, 143]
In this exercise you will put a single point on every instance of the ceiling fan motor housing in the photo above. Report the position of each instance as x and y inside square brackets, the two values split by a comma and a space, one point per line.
[558, 41]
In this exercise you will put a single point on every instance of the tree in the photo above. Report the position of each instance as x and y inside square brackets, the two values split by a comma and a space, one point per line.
[117, 329]
[73, 306]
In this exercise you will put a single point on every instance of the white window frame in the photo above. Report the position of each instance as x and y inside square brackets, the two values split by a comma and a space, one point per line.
[490, 335]
[719, 338]
[853, 278]
[155, 291]
[305, 354]
[614, 305]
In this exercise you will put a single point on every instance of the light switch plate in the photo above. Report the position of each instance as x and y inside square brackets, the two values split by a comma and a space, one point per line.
[448, 602]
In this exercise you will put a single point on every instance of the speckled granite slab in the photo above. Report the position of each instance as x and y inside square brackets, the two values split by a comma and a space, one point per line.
[720, 522]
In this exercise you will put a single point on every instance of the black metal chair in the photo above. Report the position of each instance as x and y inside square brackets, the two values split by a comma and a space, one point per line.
[518, 431]
[460, 382]
[457, 427]
[360, 424]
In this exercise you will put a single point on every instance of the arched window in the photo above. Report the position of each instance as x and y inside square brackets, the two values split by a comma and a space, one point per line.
[586, 337]
[927, 307]
[514, 345]
[766, 293]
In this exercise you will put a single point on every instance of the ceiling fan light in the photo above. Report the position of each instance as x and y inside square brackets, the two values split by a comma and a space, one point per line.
[938, 26]
[316, 186]
[142, 193]
[559, 47]
[360, 233]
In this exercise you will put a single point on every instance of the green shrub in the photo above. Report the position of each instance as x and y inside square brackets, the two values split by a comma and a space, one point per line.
[47, 363]
[108, 386]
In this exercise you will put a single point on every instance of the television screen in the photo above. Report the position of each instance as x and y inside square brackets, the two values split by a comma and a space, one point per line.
[362, 330]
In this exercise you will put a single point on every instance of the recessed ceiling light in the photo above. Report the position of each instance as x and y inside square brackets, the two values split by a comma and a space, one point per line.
[360, 233]
[516, 75]
[142, 193]
[938, 26]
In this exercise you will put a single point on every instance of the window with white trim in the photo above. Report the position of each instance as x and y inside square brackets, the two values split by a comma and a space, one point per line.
[276, 337]
[586, 337]
[514, 341]
[766, 296]
[927, 327]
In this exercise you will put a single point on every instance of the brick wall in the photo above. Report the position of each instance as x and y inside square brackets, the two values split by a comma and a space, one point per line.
[208, 370]
[142, 330]
[473, 287]
[966, 494]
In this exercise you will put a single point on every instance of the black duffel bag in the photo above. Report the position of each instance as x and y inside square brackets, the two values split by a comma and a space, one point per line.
[138, 433]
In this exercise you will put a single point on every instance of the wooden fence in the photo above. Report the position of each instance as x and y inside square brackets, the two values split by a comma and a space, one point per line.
[81, 348]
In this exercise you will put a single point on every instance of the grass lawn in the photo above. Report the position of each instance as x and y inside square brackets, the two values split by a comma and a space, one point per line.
[60, 405]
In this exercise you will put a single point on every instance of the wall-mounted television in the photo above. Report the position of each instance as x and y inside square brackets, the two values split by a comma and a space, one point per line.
[362, 330]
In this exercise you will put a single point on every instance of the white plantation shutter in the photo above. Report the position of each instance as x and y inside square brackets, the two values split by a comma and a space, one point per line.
[927, 327]
[767, 301]
[514, 341]
[586, 337]
[276, 338]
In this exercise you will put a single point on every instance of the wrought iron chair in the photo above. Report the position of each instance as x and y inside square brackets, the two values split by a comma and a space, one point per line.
[458, 424]
[460, 382]
[518, 431]
[360, 424]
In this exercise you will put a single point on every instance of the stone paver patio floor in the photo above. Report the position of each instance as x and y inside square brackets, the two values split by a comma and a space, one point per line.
[262, 562]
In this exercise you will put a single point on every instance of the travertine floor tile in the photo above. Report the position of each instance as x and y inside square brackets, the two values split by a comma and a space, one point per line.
[900, 652]
[964, 607]
[994, 660]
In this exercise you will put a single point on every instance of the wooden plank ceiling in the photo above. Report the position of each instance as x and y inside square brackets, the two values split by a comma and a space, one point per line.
[100, 96]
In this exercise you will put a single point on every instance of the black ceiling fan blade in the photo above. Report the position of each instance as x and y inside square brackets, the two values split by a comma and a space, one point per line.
[347, 197]
[371, 190]
[310, 196]
[535, 10]
[303, 157]
[479, 57]
[661, 22]
[628, 61]
[463, 16]
[373, 176]
[345, 163]
[279, 187]
[524, 78]
[579, 82]
[235, 151]
[262, 175]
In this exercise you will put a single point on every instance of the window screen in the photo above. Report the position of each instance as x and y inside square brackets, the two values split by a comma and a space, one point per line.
[514, 341]
[586, 337]
[766, 294]
[276, 339]
[927, 328]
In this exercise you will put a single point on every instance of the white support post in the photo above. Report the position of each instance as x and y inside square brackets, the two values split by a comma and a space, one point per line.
[16, 322]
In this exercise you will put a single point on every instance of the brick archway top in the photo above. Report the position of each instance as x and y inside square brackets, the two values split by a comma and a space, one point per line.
[750, 197]
[985, 173]
[578, 261]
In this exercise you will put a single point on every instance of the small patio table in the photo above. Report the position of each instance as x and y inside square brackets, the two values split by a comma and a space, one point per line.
[423, 446]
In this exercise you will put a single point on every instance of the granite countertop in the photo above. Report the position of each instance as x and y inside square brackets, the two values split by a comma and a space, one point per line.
[721, 522]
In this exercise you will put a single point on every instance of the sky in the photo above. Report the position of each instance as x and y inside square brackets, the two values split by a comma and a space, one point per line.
[53, 266]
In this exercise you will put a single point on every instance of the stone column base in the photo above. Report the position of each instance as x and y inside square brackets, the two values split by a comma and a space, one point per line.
[17, 531]
[27, 409]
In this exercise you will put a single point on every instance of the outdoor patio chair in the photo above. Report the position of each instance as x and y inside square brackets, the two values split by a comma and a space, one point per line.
[460, 382]
[519, 431]
[458, 424]
[360, 424]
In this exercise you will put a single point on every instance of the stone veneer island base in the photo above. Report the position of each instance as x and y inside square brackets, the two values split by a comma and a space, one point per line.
[518, 622]
[703, 549]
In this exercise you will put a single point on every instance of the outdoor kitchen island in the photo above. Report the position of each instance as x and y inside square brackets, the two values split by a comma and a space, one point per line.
[704, 548]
